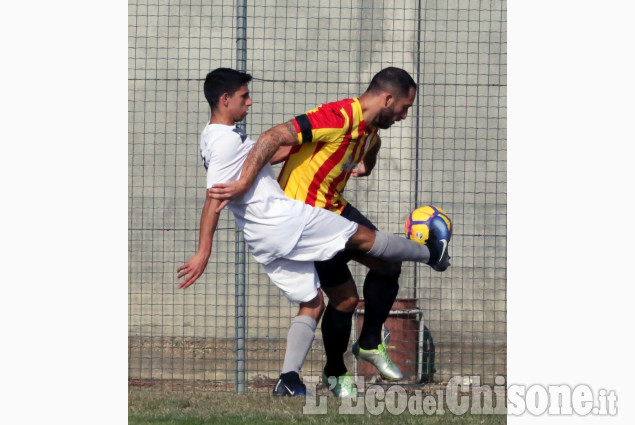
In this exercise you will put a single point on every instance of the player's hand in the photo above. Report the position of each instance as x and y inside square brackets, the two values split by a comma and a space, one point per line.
[192, 270]
[360, 170]
[225, 192]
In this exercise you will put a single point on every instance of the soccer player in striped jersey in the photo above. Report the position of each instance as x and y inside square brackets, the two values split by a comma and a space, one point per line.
[322, 149]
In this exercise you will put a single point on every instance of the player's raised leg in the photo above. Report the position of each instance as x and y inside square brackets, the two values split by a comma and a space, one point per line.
[326, 232]
[390, 247]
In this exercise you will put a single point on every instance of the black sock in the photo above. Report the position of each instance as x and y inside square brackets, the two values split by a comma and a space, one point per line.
[336, 331]
[380, 293]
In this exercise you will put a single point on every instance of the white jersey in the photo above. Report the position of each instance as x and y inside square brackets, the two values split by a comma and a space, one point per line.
[271, 222]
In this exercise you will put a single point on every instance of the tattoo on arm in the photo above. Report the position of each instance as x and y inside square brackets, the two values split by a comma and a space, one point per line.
[291, 129]
[266, 146]
[259, 155]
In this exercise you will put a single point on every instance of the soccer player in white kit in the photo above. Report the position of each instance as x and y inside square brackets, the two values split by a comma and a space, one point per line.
[284, 235]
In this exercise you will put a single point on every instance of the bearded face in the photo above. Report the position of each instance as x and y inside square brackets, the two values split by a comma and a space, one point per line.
[396, 109]
[385, 118]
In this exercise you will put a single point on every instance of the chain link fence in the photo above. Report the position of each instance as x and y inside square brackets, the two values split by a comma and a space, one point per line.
[450, 151]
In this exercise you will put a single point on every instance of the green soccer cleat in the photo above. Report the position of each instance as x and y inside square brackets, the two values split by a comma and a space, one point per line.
[344, 388]
[379, 358]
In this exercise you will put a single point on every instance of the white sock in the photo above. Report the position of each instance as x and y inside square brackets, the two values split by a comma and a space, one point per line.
[391, 247]
[299, 341]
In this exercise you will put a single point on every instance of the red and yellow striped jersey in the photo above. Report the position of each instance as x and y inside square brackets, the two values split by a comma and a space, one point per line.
[333, 139]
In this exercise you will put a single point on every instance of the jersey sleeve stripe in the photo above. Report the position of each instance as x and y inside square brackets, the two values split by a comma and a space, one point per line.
[305, 128]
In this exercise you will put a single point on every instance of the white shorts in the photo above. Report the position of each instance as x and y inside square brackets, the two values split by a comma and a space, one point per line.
[297, 280]
[324, 235]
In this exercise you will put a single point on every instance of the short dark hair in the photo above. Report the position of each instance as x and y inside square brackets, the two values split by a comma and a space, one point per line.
[394, 80]
[223, 80]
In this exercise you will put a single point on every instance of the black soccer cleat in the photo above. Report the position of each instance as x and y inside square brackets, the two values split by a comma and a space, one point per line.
[289, 384]
[438, 241]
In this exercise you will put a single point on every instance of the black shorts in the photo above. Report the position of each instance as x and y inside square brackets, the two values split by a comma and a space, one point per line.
[335, 272]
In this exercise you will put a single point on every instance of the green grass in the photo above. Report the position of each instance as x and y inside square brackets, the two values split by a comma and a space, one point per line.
[172, 408]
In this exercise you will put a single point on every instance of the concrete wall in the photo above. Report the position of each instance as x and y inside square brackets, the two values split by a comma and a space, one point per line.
[303, 54]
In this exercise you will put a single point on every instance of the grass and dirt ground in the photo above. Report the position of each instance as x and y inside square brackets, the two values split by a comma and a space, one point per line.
[151, 406]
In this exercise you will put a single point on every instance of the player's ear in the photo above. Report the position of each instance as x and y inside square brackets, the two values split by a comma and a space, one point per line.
[389, 98]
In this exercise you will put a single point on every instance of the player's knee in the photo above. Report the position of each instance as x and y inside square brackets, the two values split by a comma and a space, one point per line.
[362, 240]
[347, 304]
[313, 308]
[343, 297]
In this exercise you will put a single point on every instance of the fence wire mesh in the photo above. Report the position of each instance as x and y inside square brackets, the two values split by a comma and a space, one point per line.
[450, 151]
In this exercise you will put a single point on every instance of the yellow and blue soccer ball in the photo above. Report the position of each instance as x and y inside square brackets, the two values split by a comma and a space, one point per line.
[421, 220]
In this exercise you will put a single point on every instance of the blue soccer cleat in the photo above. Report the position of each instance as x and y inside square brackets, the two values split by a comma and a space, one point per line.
[289, 384]
[437, 243]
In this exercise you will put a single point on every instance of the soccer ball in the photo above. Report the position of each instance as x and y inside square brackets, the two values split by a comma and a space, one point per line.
[419, 222]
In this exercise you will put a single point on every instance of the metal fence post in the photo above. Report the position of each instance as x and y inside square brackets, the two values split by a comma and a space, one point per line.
[241, 65]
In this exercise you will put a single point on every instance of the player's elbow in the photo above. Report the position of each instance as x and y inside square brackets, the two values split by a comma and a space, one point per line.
[282, 135]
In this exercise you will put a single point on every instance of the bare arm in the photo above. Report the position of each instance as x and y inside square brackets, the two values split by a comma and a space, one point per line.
[368, 163]
[281, 155]
[263, 151]
[195, 267]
